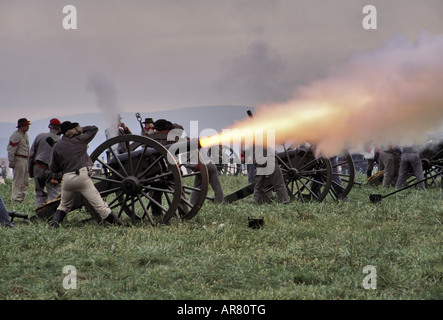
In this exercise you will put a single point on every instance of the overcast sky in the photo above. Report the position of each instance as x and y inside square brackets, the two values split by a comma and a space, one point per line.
[162, 54]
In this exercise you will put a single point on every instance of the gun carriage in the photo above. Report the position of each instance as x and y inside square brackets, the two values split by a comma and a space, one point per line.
[145, 182]
[309, 177]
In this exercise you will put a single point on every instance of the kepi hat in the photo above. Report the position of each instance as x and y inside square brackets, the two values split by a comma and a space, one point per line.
[55, 122]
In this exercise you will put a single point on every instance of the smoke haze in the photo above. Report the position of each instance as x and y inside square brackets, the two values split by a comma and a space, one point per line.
[106, 99]
[392, 95]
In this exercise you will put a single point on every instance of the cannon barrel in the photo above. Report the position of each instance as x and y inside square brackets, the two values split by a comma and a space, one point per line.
[174, 148]
[184, 146]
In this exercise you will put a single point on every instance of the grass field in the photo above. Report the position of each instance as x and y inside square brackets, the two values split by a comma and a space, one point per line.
[304, 251]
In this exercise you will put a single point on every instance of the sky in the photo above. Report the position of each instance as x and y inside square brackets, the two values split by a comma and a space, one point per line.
[145, 56]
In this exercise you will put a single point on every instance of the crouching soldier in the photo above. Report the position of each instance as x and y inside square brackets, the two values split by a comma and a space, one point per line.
[70, 164]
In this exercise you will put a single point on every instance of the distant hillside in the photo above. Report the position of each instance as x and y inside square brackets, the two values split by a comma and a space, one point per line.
[213, 117]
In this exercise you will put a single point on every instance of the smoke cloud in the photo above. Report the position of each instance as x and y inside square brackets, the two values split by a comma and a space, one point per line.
[106, 98]
[259, 73]
[392, 95]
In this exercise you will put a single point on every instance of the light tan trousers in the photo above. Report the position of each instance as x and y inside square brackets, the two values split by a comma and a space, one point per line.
[82, 183]
[20, 179]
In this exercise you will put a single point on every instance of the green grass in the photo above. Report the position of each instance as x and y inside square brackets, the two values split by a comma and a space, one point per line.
[305, 251]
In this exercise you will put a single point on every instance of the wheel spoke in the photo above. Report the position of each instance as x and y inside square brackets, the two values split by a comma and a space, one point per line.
[104, 164]
[154, 201]
[150, 188]
[303, 157]
[149, 167]
[145, 210]
[140, 161]
[109, 191]
[309, 189]
[131, 168]
[118, 161]
[106, 179]
[157, 177]
[118, 196]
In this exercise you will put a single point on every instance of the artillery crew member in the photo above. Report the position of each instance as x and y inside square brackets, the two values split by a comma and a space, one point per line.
[162, 128]
[18, 154]
[148, 126]
[276, 178]
[390, 156]
[39, 159]
[118, 129]
[410, 161]
[70, 163]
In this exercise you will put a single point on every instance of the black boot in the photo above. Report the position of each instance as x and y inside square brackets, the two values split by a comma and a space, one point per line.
[112, 218]
[58, 218]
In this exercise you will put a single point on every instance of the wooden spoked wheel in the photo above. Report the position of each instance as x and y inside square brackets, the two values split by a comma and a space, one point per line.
[307, 177]
[143, 182]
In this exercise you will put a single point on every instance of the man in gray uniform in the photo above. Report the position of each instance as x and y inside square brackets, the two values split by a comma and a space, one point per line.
[39, 159]
[276, 178]
[390, 157]
[18, 154]
[410, 160]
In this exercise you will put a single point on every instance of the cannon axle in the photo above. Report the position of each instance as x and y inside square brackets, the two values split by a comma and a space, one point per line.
[131, 185]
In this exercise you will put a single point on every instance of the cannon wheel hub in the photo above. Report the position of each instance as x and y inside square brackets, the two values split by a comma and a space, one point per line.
[293, 174]
[131, 185]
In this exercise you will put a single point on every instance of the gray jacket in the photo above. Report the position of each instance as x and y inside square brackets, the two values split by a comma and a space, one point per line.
[70, 154]
[41, 149]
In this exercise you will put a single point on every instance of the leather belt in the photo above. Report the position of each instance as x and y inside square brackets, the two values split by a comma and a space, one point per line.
[42, 166]
[21, 156]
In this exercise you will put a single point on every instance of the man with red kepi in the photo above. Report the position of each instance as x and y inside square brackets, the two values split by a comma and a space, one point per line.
[39, 159]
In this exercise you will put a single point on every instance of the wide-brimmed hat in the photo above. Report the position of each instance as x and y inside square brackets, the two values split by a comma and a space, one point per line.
[23, 122]
[162, 124]
[148, 120]
[67, 125]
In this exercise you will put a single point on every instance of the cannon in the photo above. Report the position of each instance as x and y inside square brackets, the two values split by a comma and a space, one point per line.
[146, 182]
[309, 177]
